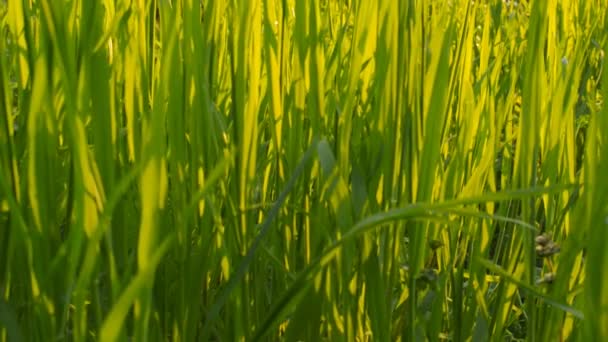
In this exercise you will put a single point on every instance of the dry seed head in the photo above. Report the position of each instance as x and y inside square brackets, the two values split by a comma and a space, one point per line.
[547, 278]
[543, 239]
[548, 250]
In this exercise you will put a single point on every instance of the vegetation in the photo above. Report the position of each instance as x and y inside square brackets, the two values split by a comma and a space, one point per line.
[303, 170]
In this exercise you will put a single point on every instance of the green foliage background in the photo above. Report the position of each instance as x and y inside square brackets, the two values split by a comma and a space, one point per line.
[303, 170]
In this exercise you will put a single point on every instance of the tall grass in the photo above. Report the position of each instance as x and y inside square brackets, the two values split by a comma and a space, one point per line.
[303, 170]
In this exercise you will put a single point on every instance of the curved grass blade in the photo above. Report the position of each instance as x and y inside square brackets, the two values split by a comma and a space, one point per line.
[535, 292]
[418, 211]
[244, 265]
[112, 325]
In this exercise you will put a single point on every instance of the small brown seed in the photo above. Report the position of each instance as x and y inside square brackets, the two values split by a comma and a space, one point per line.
[548, 250]
[543, 239]
[547, 278]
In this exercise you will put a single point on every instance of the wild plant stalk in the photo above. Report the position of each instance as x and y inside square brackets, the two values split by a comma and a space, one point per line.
[292, 170]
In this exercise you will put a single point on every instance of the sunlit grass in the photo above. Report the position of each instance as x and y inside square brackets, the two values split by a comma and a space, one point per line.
[303, 170]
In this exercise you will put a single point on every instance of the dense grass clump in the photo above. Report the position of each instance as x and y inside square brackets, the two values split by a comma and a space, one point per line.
[303, 170]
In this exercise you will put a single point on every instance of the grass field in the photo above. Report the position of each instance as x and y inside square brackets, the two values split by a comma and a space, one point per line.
[180, 170]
